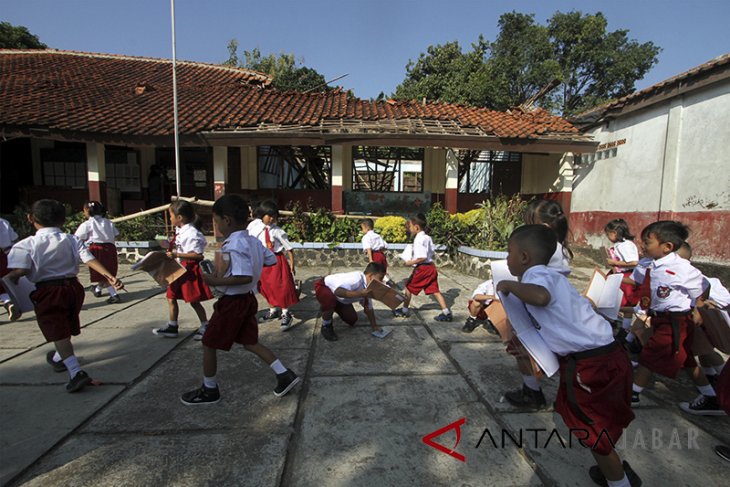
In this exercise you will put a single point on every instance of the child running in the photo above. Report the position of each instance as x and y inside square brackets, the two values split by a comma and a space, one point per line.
[425, 275]
[234, 318]
[7, 237]
[187, 246]
[623, 257]
[336, 293]
[594, 396]
[99, 235]
[374, 245]
[675, 285]
[277, 281]
[50, 259]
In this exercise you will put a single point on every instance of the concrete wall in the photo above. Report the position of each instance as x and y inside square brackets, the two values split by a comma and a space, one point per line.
[672, 165]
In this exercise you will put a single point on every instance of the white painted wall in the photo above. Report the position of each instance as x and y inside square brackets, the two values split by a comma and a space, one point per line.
[682, 142]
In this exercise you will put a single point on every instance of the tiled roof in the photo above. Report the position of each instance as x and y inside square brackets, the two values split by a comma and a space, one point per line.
[655, 91]
[124, 95]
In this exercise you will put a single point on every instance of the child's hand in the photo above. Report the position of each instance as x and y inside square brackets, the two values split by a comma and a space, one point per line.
[611, 263]
[504, 287]
[364, 293]
[170, 254]
[293, 270]
[117, 283]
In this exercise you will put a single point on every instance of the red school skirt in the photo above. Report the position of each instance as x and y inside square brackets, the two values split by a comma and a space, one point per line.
[631, 292]
[277, 284]
[601, 388]
[658, 354]
[106, 254]
[379, 257]
[3, 269]
[425, 278]
[190, 287]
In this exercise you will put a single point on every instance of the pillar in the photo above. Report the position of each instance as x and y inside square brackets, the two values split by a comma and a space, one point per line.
[96, 171]
[337, 179]
[451, 189]
[249, 168]
[220, 171]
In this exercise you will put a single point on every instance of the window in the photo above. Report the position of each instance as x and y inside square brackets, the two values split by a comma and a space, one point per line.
[294, 167]
[386, 169]
[122, 169]
[65, 165]
[489, 171]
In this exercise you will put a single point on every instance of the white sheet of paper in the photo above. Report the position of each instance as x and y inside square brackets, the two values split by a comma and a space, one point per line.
[20, 293]
[528, 334]
[500, 272]
[407, 253]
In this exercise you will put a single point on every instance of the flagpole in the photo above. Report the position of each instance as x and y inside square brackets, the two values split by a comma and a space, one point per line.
[174, 102]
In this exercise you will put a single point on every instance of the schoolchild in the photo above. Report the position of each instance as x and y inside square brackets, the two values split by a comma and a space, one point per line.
[623, 256]
[7, 237]
[374, 245]
[99, 234]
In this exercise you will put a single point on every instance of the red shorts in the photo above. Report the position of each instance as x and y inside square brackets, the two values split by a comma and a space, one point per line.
[106, 254]
[233, 321]
[329, 302]
[277, 284]
[722, 389]
[602, 388]
[425, 278]
[658, 354]
[190, 287]
[3, 269]
[631, 292]
[57, 307]
[379, 257]
[482, 315]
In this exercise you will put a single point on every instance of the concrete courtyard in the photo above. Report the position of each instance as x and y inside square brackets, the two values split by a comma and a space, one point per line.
[357, 418]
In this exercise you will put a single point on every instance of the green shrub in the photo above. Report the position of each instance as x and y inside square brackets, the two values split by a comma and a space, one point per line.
[297, 226]
[392, 229]
[445, 230]
[142, 228]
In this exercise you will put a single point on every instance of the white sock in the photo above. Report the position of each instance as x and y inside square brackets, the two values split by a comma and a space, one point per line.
[272, 311]
[4, 298]
[210, 382]
[472, 316]
[531, 382]
[326, 322]
[630, 337]
[626, 324]
[172, 323]
[709, 370]
[634, 364]
[56, 357]
[112, 291]
[204, 323]
[405, 309]
[446, 311]
[718, 368]
[97, 288]
[707, 390]
[277, 367]
[636, 389]
[72, 364]
[284, 311]
[624, 482]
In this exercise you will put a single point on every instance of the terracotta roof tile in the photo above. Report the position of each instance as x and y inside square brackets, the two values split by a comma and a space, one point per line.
[96, 93]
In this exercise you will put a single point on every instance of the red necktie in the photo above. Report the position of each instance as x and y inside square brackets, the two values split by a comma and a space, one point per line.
[269, 245]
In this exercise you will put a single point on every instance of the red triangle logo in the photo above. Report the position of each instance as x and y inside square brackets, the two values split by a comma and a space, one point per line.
[428, 439]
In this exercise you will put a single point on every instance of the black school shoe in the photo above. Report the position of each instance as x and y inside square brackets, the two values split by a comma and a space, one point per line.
[201, 395]
[328, 332]
[470, 325]
[526, 398]
[723, 452]
[96, 292]
[597, 476]
[702, 406]
[285, 382]
[80, 380]
[13, 312]
[114, 299]
[57, 366]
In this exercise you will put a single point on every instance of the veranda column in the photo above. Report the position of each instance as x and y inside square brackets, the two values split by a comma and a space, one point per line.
[96, 171]
[337, 172]
[451, 189]
[220, 171]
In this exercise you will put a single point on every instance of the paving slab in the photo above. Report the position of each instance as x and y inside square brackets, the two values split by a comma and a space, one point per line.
[407, 350]
[190, 458]
[299, 336]
[29, 430]
[451, 331]
[364, 431]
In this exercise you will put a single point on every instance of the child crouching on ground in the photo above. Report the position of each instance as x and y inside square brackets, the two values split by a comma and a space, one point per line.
[50, 259]
[594, 396]
[234, 316]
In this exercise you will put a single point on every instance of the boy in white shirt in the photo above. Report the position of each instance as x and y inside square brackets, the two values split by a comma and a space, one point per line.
[336, 293]
[425, 275]
[7, 237]
[595, 374]
[50, 259]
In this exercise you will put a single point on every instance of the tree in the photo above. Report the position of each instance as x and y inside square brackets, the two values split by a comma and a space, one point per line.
[18, 37]
[581, 63]
[285, 73]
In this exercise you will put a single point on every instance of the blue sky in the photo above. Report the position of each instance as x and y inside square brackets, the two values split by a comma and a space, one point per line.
[371, 40]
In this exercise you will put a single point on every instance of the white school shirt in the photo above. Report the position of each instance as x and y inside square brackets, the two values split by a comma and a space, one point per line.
[626, 251]
[97, 229]
[373, 241]
[568, 324]
[255, 227]
[248, 257]
[718, 292]
[560, 261]
[49, 254]
[487, 287]
[423, 247]
[7, 235]
[350, 281]
[639, 272]
[675, 284]
[189, 239]
[277, 235]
